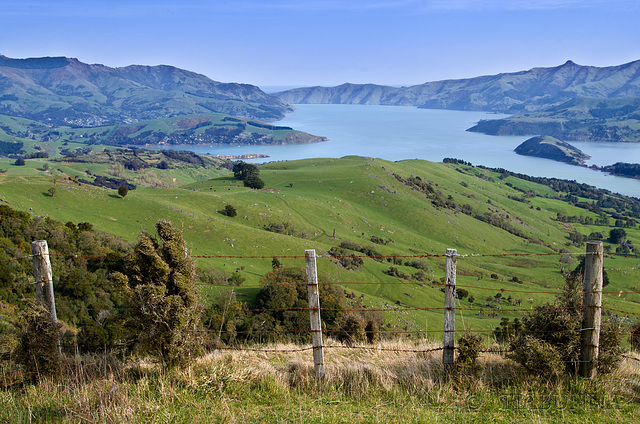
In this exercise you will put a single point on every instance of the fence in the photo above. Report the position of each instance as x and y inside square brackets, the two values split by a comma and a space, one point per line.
[590, 331]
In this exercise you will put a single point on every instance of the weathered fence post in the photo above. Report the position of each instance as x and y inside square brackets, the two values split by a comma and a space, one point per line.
[591, 308]
[44, 280]
[314, 312]
[449, 309]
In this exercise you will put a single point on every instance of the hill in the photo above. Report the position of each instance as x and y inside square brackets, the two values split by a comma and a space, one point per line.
[570, 102]
[532, 90]
[408, 212]
[65, 91]
[552, 148]
[209, 128]
[580, 119]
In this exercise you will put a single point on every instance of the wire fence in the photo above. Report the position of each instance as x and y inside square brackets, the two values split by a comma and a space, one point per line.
[414, 334]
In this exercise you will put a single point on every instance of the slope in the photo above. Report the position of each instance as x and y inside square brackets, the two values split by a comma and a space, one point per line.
[532, 229]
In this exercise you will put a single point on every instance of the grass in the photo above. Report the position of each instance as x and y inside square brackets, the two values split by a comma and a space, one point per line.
[359, 386]
[357, 198]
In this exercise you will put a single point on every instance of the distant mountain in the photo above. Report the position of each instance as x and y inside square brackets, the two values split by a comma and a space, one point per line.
[533, 90]
[65, 91]
[570, 101]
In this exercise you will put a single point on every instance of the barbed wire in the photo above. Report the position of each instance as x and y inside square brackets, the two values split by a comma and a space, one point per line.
[330, 256]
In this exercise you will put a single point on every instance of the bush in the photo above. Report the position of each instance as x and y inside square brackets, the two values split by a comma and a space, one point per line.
[345, 258]
[352, 330]
[230, 211]
[538, 357]
[213, 276]
[469, 346]
[635, 337]
[38, 345]
[163, 297]
[236, 279]
[610, 351]
[552, 333]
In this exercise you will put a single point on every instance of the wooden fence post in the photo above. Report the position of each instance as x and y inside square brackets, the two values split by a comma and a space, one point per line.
[314, 312]
[449, 309]
[44, 280]
[591, 309]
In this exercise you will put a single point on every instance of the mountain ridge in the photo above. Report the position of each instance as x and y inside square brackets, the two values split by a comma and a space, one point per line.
[514, 92]
[66, 91]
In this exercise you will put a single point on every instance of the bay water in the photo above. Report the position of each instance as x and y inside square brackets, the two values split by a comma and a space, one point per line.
[404, 132]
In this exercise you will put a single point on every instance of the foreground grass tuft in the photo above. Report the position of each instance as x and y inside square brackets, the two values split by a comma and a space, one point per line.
[360, 386]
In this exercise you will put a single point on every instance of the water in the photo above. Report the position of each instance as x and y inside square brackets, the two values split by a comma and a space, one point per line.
[399, 132]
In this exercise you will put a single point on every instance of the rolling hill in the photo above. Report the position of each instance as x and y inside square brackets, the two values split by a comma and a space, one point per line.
[526, 231]
[65, 91]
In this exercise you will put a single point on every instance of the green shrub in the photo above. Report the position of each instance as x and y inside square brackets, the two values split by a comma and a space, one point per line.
[552, 333]
[230, 211]
[345, 258]
[610, 351]
[635, 337]
[37, 350]
[163, 299]
[352, 330]
[465, 368]
[538, 357]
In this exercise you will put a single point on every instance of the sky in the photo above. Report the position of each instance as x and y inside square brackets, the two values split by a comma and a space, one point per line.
[326, 42]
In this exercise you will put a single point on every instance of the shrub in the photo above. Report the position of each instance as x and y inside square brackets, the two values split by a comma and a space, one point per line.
[538, 357]
[351, 245]
[123, 190]
[469, 346]
[556, 328]
[345, 258]
[230, 211]
[236, 279]
[37, 350]
[352, 330]
[163, 297]
[635, 337]
[465, 368]
[212, 276]
[372, 328]
[610, 351]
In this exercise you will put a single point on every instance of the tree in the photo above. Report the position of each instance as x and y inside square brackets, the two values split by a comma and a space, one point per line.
[52, 191]
[123, 191]
[241, 170]
[164, 302]
[19, 162]
[254, 182]
[230, 211]
[617, 236]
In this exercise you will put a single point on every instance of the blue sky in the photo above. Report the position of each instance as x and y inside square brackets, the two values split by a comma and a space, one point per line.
[327, 42]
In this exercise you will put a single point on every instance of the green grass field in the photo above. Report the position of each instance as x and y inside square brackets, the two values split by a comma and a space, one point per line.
[354, 198]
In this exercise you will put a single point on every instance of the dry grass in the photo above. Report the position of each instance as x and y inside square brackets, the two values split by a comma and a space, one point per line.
[394, 383]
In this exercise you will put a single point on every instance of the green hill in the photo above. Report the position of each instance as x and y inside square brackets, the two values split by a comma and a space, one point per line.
[581, 119]
[552, 148]
[406, 212]
[209, 128]
[65, 91]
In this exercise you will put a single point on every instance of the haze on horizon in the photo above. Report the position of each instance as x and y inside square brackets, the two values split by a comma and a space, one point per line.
[327, 42]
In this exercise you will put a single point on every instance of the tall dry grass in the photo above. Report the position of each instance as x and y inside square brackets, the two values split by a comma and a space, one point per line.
[255, 385]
